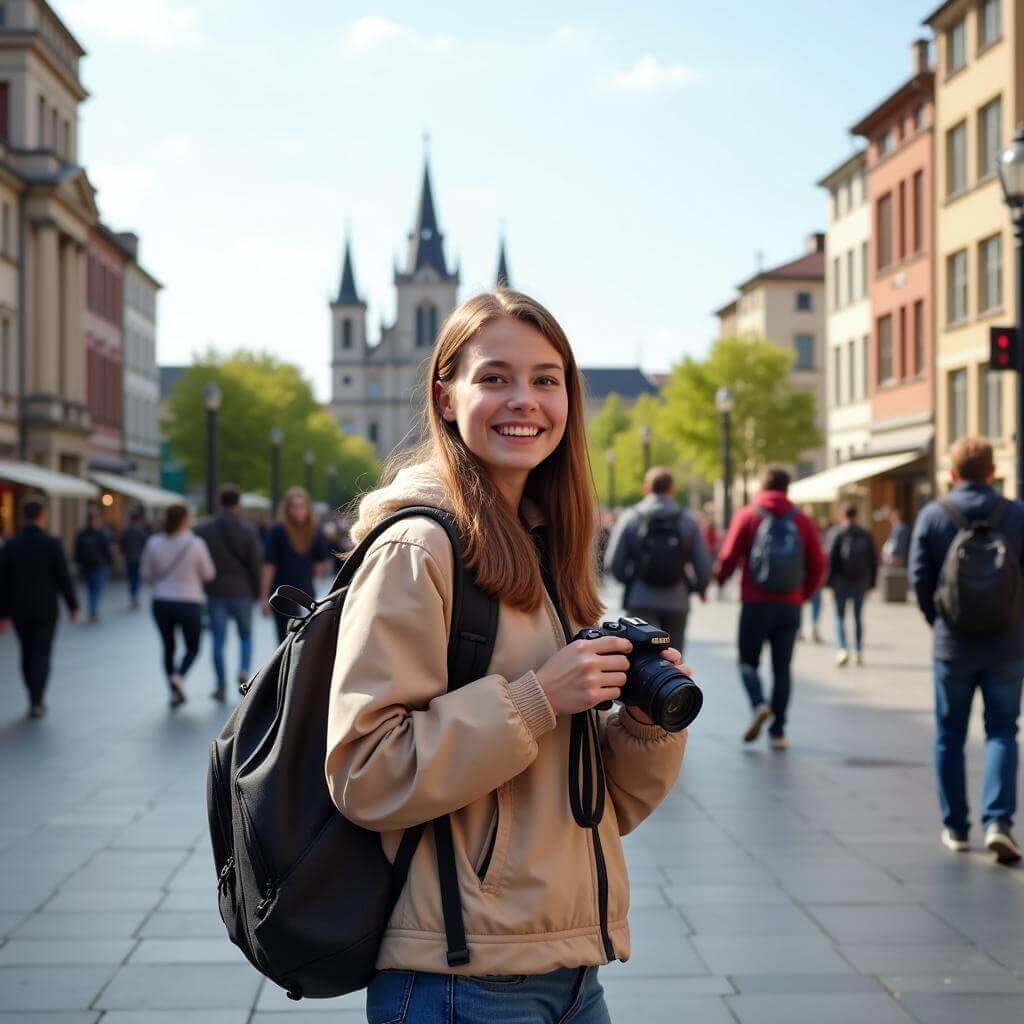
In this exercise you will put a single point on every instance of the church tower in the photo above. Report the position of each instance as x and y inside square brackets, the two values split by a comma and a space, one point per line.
[501, 275]
[348, 351]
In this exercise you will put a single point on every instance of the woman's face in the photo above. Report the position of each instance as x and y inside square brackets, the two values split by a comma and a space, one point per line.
[508, 399]
[298, 512]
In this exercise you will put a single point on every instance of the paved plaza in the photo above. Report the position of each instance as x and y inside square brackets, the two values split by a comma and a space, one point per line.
[769, 888]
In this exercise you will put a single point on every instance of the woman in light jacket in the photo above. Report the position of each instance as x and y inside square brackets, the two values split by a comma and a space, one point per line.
[544, 896]
[177, 563]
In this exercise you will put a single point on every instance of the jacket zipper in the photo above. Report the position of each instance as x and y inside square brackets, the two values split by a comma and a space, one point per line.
[602, 894]
[485, 863]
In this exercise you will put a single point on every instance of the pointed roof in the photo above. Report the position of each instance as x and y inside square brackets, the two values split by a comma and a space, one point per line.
[501, 278]
[426, 243]
[347, 294]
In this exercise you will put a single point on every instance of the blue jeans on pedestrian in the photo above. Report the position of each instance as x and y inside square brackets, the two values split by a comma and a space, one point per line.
[776, 624]
[95, 582]
[131, 570]
[222, 610]
[1000, 687]
[855, 597]
[415, 997]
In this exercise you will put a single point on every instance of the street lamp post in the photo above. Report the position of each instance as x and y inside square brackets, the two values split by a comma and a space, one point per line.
[645, 438]
[609, 457]
[725, 404]
[211, 400]
[1011, 176]
[276, 440]
[310, 459]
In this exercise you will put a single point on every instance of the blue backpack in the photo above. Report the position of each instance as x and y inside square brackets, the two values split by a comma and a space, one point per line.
[777, 555]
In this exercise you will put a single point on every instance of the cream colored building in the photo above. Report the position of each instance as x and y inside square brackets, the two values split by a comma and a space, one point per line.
[848, 318]
[786, 306]
[979, 99]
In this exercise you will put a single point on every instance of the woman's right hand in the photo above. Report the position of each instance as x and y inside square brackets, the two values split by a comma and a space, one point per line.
[584, 674]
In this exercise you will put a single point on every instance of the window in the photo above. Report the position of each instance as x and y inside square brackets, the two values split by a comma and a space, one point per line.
[851, 289]
[3, 15]
[865, 375]
[67, 141]
[373, 388]
[5, 229]
[426, 325]
[956, 47]
[956, 287]
[990, 402]
[803, 302]
[884, 349]
[956, 159]
[41, 128]
[372, 431]
[901, 368]
[957, 392]
[990, 119]
[433, 324]
[346, 380]
[837, 374]
[837, 284]
[901, 237]
[53, 128]
[990, 274]
[990, 29]
[918, 117]
[346, 333]
[6, 369]
[864, 268]
[919, 211]
[851, 367]
[5, 111]
[884, 143]
[919, 338]
[884, 231]
[804, 347]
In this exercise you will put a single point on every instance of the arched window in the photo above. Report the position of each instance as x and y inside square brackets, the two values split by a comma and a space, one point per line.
[421, 326]
[426, 325]
[433, 325]
[346, 333]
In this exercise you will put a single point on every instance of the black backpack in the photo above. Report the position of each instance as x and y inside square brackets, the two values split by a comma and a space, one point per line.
[305, 893]
[855, 555]
[661, 560]
[979, 590]
[777, 555]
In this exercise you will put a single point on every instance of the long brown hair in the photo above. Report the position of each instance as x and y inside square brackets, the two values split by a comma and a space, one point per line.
[301, 536]
[501, 552]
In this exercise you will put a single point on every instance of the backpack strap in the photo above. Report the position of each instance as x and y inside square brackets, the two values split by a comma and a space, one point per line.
[960, 521]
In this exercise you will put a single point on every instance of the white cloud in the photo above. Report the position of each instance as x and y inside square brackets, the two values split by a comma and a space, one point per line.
[374, 34]
[567, 34]
[647, 75]
[158, 23]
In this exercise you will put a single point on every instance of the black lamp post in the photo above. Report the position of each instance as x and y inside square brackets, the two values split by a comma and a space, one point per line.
[645, 439]
[211, 400]
[332, 486]
[1011, 176]
[725, 404]
[276, 440]
[310, 460]
[609, 457]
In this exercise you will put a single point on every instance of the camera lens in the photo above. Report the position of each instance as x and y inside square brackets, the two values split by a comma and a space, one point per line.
[664, 694]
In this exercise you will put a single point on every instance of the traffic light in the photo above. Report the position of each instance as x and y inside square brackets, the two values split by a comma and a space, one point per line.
[1002, 344]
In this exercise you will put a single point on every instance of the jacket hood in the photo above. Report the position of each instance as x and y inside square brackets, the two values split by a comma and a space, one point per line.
[415, 485]
[774, 501]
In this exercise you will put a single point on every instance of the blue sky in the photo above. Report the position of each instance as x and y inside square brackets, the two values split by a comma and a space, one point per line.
[640, 155]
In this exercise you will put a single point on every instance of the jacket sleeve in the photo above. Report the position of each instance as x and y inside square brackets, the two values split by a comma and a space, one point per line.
[617, 555]
[641, 764]
[62, 577]
[400, 749]
[700, 557]
[835, 558]
[921, 569]
[734, 548]
[207, 570]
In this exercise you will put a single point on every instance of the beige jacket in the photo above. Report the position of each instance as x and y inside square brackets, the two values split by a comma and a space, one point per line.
[401, 750]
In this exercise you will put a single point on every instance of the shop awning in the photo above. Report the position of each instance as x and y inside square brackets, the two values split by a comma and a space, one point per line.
[826, 485]
[145, 494]
[49, 481]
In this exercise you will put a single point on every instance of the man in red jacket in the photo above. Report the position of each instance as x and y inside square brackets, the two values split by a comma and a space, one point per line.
[783, 565]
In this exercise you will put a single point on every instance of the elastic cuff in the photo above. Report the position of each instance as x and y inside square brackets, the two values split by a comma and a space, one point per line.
[641, 730]
[532, 703]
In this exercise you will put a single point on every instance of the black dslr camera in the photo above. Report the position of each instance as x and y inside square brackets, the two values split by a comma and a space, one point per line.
[655, 686]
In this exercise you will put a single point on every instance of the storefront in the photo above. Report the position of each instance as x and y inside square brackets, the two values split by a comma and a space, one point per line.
[66, 495]
[120, 495]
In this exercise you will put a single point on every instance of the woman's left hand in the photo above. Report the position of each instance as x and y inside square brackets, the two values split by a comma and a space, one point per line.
[674, 656]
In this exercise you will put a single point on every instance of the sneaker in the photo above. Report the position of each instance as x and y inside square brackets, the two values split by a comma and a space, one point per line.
[177, 693]
[37, 711]
[761, 715]
[1000, 842]
[779, 743]
[842, 656]
[955, 839]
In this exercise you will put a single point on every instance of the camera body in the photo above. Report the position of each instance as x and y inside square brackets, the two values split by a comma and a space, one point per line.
[657, 687]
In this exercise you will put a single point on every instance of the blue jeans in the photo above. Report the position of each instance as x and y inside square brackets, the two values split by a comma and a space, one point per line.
[776, 624]
[131, 570]
[1000, 687]
[855, 596]
[95, 582]
[816, 609]
[414, 997]
[222, 609]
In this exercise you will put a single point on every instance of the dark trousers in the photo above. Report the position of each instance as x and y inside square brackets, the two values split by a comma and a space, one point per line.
[36, 639]
[131, 570]
[776, 624]
[183, 615]
[673, 622]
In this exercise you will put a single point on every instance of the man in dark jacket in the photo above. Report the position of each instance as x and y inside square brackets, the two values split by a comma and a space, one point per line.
[963, 663]
[94, 558]
[33, 572]
[131, 542]
[770, 614]
[237, 555]
[852, 572]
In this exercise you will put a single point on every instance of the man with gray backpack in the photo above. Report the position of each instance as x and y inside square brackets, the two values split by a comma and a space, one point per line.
[965, 566]
[852, 572]
[783, 564]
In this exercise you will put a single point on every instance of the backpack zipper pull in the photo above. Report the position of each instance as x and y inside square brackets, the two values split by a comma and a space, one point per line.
[225, 873]
[264, 904]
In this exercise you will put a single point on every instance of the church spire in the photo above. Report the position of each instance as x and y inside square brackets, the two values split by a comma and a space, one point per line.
[426, 243]
[347, 295]
[501, 278]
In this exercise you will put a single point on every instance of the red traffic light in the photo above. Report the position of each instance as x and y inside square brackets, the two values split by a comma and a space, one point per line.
[1003, 348]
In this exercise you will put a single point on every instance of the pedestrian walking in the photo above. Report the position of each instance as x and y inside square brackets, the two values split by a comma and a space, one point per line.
[94, 558]
[966, 559]
[783, 564]
[132, 542]
[815, 600]
[852, 573]
[33, 575]
[897, 545]
[657, 550]
[506, 454]
[234, 545]
[296, 550]
[176, 563]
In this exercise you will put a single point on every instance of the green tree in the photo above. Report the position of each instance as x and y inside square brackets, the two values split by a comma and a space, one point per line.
[772, 421]
[261, 392]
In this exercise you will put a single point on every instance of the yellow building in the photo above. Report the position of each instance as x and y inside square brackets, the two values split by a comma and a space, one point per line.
[979, 98]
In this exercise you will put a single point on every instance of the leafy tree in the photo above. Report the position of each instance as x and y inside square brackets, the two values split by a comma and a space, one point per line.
[261, 392]
[772, 421]
[607, 424]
